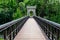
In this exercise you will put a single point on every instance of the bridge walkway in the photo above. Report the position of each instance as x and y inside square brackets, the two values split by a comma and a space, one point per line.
[31, 31]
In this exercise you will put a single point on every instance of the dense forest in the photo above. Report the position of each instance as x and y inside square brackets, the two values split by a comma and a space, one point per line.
[13, 9]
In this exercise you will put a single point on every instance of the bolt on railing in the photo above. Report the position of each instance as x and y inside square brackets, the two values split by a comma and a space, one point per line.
[51, 29]
[10, 29]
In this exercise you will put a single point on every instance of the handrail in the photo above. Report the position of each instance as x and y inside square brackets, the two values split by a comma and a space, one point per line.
[9, 30]
[6, 25]
[51, 28]
[54, 24]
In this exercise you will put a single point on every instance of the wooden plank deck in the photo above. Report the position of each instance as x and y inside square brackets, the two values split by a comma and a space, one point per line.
[31, 31]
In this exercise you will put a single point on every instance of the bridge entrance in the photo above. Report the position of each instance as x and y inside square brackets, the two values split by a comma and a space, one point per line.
[31, 13]
[31, 10]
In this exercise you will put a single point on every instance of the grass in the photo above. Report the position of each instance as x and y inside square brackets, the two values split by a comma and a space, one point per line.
[1, 39]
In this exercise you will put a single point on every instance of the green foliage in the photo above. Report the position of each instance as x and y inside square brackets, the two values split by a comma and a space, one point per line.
[5, 16]
[18, 14]
[53, 12]
[7, 8]
[10, 10]
[22, 8]
[1, 39]
[25, 1]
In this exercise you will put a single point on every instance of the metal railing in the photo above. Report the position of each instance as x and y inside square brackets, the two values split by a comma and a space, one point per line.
[51, 29]
[10, 29]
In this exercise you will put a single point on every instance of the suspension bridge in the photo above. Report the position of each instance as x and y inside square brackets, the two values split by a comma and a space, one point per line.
[30, 28]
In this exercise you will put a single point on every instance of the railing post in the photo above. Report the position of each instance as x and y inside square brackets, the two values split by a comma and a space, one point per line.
[52, 32]
[58, 32]
[5, 35]
[10, 33]
[48, 31]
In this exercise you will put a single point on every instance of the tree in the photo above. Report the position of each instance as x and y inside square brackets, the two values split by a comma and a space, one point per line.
[7, 10]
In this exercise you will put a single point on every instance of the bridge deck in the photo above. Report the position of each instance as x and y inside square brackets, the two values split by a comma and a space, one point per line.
[31, 31]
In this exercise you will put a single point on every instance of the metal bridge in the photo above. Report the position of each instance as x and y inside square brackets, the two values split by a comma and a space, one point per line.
[26, 28]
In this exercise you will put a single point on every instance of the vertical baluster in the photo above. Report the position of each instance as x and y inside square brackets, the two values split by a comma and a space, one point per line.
[55, 34]
[12, 36]
[58, 34]
[48, 31]
[5, 34]
[17, 28]
[10, 33]
[12, 30]
[52, 33]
